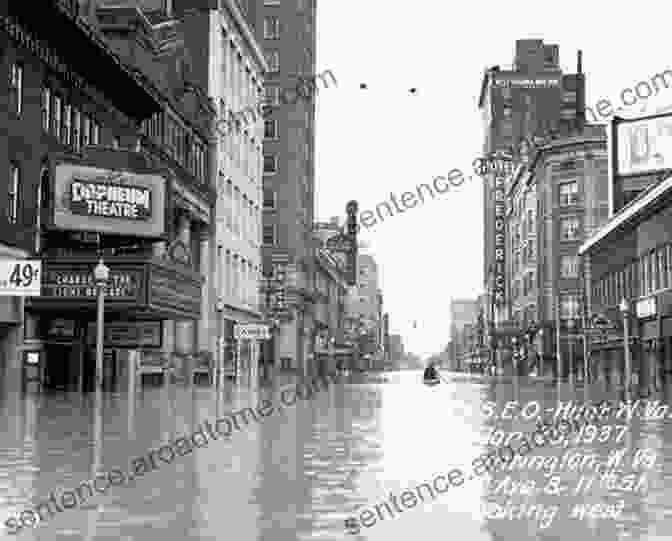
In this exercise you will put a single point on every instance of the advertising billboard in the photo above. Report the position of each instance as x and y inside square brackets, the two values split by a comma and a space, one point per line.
[644, 145]
[106, 201]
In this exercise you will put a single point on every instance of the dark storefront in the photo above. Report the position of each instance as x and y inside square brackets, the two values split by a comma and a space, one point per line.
[631, 258]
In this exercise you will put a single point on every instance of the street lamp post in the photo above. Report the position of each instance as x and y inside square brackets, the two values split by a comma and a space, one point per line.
[219, 368]
[101, 274]
[625, 311]
[570, 326]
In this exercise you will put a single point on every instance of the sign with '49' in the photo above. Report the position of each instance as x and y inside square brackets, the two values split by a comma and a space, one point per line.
[20, 277]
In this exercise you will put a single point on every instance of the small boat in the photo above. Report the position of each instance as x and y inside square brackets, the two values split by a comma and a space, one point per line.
[431, 381]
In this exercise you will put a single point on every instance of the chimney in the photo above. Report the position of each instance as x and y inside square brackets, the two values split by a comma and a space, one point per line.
[579, 61]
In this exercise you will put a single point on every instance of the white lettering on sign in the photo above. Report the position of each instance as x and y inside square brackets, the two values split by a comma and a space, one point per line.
[96, 199]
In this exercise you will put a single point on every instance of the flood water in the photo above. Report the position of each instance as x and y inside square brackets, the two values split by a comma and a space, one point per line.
[300, 473]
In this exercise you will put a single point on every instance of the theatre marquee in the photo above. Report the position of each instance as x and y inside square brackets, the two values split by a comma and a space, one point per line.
[88, 198]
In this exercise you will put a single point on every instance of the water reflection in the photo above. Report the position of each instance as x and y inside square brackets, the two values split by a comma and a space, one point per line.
[303, 471]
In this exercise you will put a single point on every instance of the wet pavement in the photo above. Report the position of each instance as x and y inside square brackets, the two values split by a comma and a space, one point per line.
[299, 474]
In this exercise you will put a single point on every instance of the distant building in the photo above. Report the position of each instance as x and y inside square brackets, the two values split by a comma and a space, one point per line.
[463, 315]
[396, 346]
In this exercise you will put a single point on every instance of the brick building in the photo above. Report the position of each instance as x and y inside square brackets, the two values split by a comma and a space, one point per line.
[555, 200]
[92, 170]
[534, 97]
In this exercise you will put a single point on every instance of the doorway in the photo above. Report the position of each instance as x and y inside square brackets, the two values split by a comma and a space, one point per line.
[60, 373]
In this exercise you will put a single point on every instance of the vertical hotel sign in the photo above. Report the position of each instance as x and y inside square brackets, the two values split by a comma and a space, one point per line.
[499, 287]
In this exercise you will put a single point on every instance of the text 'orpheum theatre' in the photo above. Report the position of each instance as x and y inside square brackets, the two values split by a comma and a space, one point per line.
[96, 199]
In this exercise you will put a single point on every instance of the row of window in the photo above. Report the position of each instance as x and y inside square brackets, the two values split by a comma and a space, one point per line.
[570, 306]
[66, 122]
[182, 145]
[241, 215]
[649, 274]
[240, 279]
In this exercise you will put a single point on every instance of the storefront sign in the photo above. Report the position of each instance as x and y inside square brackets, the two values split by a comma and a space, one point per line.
[20, 277]
[129, 334]
[105, 201]
[123, 285]
[499, 286]
[644, 145]
[647, 307]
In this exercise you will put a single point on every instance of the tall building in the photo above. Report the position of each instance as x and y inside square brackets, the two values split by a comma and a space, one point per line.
[287, 31]
[533, 97]
[232, 69]
[556, 199]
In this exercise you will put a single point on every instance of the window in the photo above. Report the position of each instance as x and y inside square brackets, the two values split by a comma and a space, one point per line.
[76, 128]
[668, 259]
[269, 235]
[569, 194]
[271, 28]
[530, 250]
[272, 95]
[270, 164]
[67, 124]
[269, 198]
[530, 221]
[271, 129]
[58, 105]
[95, 133]
[569, 266]
[13, 193]
[46, 108]
[16, 87]
[569, 228]
[273, 59]
[569, 306]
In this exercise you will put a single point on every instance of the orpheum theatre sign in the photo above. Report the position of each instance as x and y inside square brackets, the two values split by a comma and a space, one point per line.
[89, 198]
[96, 199]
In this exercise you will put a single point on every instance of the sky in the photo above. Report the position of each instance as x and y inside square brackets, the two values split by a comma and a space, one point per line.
[383, 139]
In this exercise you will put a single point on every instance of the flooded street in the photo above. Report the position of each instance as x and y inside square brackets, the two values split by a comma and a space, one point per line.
[299, 474]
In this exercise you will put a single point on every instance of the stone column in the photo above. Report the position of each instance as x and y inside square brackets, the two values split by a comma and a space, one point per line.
[206, 336]
[184, 328]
